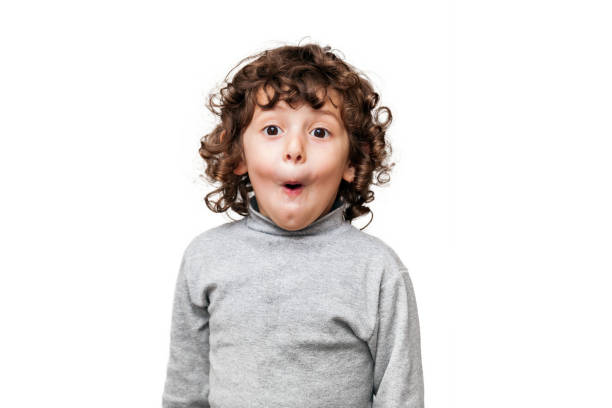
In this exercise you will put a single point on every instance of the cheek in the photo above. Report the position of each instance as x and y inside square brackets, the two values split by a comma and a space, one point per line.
[260, 163]
[328, 169]
[256, 156]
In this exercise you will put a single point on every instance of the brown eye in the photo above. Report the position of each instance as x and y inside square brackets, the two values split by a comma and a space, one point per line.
[274, 132]
[320, 133]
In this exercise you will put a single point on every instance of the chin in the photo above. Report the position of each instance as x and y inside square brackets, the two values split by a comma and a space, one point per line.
[292, 227]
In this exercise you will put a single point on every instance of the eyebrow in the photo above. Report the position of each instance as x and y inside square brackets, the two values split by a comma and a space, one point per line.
[323, 112]
[326, 112]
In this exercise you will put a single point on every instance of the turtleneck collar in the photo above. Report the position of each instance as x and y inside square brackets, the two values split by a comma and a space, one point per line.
[332, 220]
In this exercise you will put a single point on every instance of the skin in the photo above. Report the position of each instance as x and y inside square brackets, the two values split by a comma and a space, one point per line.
[296, 144]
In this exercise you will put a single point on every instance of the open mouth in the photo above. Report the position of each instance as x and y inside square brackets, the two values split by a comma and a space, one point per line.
[293, 186]
[293, 189]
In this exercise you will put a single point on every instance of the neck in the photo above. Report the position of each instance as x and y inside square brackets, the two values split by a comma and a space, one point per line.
[331, 219]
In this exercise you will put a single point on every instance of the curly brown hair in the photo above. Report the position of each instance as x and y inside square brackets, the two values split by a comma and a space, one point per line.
[296, 74]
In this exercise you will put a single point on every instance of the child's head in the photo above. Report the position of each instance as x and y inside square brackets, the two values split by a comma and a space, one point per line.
[296, 114]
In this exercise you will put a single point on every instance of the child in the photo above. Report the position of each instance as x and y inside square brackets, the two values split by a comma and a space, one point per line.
[292, 306]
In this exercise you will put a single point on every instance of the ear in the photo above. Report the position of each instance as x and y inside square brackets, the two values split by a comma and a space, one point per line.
[241, 168]
[349, 173]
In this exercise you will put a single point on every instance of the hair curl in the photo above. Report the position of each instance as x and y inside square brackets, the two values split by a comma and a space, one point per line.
[296, 73]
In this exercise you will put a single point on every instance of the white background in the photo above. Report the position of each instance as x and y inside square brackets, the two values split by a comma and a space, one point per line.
[499, 203]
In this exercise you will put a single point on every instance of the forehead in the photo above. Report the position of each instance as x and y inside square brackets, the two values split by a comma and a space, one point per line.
[331, 106]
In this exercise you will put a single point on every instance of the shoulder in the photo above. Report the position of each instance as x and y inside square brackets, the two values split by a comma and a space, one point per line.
[378, 252]
[212, 240]
[205, 248]
[372, 246]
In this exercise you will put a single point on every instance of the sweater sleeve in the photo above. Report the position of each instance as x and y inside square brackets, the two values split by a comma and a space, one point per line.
[186, 383]
[395, 345]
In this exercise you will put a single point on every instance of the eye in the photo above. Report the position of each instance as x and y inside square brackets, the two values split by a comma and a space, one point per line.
[274, 129]
[319, 133]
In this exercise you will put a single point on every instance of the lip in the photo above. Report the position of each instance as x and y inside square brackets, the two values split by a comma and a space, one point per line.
[294, 181]
[293, 192]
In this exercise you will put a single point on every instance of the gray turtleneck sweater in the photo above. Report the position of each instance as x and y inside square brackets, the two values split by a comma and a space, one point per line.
[264, 317]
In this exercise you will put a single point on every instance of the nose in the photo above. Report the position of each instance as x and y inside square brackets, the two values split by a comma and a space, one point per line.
[294, 149]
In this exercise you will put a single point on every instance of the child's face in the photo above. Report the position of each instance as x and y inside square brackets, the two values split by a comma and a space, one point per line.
[305, 145]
